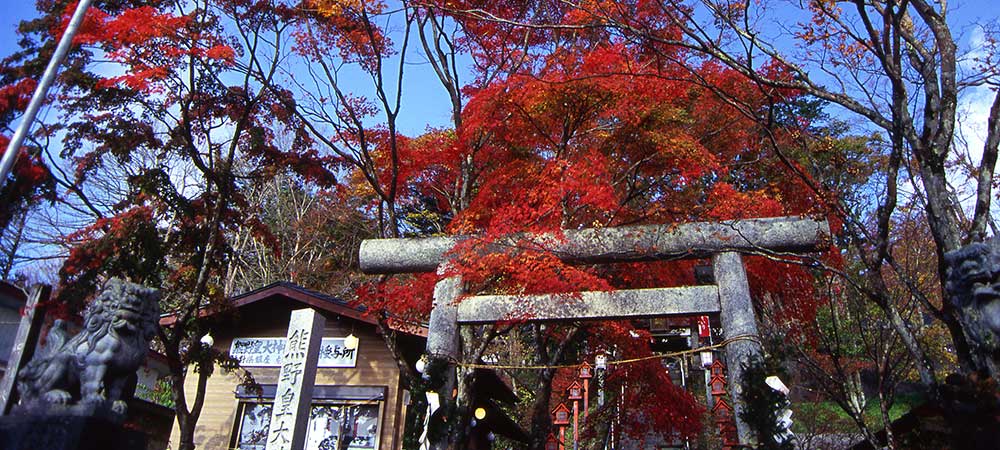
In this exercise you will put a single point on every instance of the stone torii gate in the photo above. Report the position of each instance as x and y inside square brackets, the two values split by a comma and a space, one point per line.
[723, 241]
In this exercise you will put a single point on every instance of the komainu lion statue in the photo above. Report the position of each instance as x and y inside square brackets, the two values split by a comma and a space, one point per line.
[973, 282]
[91, 371]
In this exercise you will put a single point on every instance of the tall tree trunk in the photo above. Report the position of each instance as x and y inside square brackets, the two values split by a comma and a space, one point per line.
[464, 405]
[187, 427]
[185, 423]
[967, 359]
[541, 421]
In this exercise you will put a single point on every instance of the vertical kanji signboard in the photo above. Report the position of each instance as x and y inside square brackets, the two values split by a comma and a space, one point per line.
[292, 400]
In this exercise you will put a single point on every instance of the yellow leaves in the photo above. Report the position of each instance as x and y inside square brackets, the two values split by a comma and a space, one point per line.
[330, 8]
[358, 186]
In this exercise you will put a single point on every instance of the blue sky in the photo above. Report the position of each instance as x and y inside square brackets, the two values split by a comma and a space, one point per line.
[14, 12]
[425, 103]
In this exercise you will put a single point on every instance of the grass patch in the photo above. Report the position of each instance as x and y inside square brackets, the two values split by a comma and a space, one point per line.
[827, 417]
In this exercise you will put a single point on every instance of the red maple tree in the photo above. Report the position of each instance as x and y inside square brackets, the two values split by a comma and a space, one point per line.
[558, 127]
[568, 125]
[163, 147]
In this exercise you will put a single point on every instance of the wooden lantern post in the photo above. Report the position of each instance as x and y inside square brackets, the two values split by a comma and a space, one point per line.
[560, 418]
[586, 373]
[718, 381]
[552, 443]
[575, 393]
[721, 409]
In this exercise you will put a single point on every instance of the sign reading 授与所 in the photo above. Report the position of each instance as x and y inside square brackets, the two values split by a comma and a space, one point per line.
[267, 351]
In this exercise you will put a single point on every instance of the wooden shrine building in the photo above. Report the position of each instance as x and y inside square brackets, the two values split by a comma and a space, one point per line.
[357, 393]
[358, 399]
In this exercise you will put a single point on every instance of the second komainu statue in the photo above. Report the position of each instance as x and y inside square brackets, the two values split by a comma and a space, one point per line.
[973, 282]
[89, 373]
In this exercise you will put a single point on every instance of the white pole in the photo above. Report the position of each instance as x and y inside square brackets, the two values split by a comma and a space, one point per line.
[10, 155]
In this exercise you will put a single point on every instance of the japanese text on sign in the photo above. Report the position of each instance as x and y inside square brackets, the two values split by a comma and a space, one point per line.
[267, 352]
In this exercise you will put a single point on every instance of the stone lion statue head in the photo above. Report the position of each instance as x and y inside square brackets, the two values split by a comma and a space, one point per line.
[127, 309]
[973, 280]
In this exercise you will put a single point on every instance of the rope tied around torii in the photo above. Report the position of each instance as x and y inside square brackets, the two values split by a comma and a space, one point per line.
[746, 337]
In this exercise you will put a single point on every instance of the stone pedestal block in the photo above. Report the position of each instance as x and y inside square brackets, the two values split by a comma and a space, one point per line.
[66, 432]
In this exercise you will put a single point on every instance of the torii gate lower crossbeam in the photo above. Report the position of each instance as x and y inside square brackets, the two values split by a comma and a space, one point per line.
[722, 240]
[622, 304]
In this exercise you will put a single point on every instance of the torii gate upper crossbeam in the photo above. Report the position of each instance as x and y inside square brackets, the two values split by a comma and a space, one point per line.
[617, 244]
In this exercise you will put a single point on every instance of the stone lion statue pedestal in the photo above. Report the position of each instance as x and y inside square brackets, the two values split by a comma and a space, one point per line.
[67, 432]
[74, 391]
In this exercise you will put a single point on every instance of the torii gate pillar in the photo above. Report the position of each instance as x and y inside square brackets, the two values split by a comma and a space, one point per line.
[738, 319]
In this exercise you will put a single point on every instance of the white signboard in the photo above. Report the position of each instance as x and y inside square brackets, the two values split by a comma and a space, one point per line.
[266, 352]
[290, 414]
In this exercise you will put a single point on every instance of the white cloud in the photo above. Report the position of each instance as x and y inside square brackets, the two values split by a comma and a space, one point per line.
[973, 113]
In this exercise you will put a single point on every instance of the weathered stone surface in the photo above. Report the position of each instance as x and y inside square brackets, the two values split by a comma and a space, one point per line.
[631, 243]
[973, 280]
[692, 300]
[973, 285]
[91, 371]
[66, 432]
[443, 346]
[293, 397]
[738, 319]
[442, 329]
[28, 332]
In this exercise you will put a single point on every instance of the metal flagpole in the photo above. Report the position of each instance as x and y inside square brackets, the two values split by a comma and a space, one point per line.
[10, 155]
